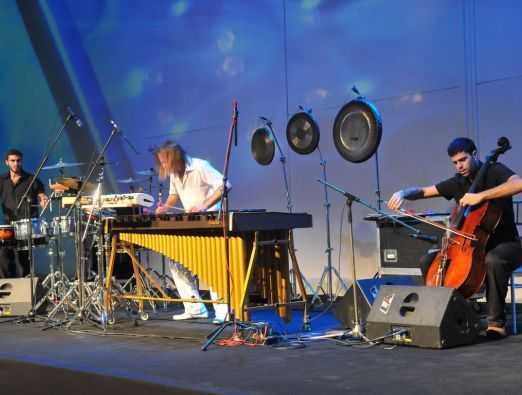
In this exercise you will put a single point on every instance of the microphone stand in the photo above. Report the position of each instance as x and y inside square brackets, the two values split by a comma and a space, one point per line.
[357, 331]
[27, 199]
[225, 212]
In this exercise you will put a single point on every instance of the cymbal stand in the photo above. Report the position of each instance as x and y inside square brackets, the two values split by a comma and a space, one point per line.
[58, 280]
[357, 331]
[51, 294]
[329, 270]
[95, 293]
[80, 262]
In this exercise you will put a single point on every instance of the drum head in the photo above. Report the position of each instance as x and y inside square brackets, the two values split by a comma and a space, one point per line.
[357, 130]
[6, 232]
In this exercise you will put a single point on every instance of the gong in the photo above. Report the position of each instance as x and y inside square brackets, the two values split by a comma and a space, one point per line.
[302, 133]
[357, 130]
[262, 146]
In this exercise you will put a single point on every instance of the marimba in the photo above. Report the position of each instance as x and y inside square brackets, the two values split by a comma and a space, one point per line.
[259, 247]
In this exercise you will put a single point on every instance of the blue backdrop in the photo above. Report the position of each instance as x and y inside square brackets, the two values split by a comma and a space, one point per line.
[161, 69]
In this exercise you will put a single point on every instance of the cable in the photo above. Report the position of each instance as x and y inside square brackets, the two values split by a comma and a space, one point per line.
[253, 335]
[134, 335]
[370, 342]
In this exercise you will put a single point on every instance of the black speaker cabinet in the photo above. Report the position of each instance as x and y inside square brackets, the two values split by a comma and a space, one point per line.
[399, 251]
[421, 316]
[15, 296]
[367, 290]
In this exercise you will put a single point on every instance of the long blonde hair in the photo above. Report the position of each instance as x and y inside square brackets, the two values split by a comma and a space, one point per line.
[176, 159]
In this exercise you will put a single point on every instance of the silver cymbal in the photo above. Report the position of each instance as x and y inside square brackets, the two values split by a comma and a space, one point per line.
[130, 180]
[61, 165]
[147, 172]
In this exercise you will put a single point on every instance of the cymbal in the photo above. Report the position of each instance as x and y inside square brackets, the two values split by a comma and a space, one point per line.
[61, 165]
[69, 182]
[63, 184]
[147, 172]
[59, 188]
[130, 180]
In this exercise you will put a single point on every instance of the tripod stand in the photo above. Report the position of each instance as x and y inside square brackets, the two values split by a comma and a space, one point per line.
[328, 270]
[56, 281]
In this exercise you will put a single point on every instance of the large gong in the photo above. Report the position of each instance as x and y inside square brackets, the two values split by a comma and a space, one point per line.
[357, 130]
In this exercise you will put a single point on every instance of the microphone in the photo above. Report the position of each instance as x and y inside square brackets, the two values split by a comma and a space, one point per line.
[114, 125]
[425, 237]
[116, 129]
[74, 117]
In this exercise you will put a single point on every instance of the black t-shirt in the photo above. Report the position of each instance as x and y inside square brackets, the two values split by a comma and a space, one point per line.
[10, 195]
[457, 186]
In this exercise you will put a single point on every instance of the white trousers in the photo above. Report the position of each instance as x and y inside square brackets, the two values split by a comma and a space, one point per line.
[187, 288]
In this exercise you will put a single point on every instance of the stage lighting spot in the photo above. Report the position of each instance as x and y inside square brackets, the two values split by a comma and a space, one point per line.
[417, 98]
[179, 129]
[322, 93]
[310, 4]
[135, 82]
[226, 41]
[179, 7]
[233, 66]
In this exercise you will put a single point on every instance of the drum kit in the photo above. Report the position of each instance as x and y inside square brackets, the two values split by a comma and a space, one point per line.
[69, 245]
[50, 241]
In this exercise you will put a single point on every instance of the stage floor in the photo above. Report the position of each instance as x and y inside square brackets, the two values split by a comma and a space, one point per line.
[163, 357]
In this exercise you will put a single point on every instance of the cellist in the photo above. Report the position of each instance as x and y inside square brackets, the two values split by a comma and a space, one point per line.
[504, 249]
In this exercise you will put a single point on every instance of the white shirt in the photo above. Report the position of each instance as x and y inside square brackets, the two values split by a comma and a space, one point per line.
[199, 182]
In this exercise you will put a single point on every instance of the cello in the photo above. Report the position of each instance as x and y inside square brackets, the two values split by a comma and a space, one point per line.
[460, 263]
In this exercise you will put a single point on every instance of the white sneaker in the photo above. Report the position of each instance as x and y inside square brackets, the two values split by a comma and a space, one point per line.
[188, 316]
[220, 320]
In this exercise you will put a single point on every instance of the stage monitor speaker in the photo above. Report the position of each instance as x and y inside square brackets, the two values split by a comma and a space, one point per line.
[15, 296]
[367, 291]
[421, 316]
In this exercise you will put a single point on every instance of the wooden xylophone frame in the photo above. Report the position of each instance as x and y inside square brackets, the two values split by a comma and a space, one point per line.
[259, 261]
